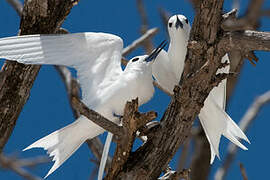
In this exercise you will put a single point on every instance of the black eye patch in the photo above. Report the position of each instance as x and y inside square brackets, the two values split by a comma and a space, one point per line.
[186, 21]
[135, 59]
[170, 24]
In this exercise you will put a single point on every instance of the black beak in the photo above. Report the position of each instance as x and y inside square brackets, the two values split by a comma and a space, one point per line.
[155, 53]
[178, 23]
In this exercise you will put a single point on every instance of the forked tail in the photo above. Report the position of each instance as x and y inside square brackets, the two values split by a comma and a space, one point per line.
[62, 143]
[216, 122]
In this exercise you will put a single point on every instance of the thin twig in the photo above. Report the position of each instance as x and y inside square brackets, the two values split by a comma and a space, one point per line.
[17, 5]
[243, 171]
[8, 163]
[31, 162]
[146, 36]
[148, 46]
[244, 123]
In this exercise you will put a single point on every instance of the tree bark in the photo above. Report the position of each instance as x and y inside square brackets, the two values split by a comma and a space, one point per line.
[38, 17]
[202, 61]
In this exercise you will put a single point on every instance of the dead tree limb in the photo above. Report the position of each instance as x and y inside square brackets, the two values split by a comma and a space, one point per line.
[38, 17]
[153, 157]
[17, 166]
[250, 20]
[97, 118]
[132, 121]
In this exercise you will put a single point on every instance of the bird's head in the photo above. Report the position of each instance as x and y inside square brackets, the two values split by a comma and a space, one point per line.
[144, 62]
[178, 27]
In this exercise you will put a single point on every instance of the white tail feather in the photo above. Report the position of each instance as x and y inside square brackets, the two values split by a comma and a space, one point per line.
[216, 122]
[104, 155]
[62, 143]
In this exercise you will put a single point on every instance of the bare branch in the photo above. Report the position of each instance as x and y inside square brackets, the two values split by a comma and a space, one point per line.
[18, 79]
[97, 118]
[243, 171]
[132, 121]
[148, 43]
[187, 101]
[200, 163]
[73, 90]
[17, 5]
[244, 123]
[164, 15]
[72, 86]
[250, 20]
[10, 164]
[31, 162]
[145, 37]
[247, 40]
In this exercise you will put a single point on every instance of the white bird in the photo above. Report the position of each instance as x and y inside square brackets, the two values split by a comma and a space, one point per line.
[105, 86]
[167, 70]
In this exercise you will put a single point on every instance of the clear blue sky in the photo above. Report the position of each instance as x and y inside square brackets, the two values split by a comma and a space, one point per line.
[48, 110]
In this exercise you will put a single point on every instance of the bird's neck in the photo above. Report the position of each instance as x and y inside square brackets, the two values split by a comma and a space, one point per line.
[177, 53]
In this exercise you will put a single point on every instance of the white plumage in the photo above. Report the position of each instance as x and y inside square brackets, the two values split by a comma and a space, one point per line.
[105, 86]
[167, 70]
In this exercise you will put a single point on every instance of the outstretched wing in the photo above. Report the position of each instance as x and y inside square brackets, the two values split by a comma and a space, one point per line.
[95, 56]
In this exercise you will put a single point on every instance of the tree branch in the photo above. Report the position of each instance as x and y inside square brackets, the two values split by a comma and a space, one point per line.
[148, 46]
[132, 121]
[145, 37]
[97, 118]
[38, 17]
[153, 157]
[247, 40]
[9, 163]
[243, 171]
[73, 90]
[17, 5]
[250, 20]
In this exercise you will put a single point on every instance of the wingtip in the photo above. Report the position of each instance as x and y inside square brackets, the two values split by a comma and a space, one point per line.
[27, 148]
[247, 140]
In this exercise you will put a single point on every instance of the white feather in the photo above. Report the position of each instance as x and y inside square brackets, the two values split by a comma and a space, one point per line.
[105, 154]
[105, 86]
[61, 144]
[215, 121]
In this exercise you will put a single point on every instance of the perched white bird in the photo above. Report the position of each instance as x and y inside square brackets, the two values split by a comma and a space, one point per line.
[105, 86]
[167, 70]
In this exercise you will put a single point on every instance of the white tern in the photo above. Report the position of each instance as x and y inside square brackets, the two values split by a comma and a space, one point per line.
[167, 70]
[105, 86]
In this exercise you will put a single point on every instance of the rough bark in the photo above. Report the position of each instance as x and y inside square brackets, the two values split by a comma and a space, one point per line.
[38, 17]
[251, 21]
[200, 166]
[153, 157]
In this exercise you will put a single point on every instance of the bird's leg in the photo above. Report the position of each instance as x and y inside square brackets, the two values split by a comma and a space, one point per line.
[118, 116]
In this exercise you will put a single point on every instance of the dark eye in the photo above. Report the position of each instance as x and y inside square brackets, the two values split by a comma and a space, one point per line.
[186, 20]
[170, 24]
[135, 59]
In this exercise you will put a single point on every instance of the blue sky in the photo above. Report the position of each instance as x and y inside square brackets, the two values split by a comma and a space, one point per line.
[48, 109]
